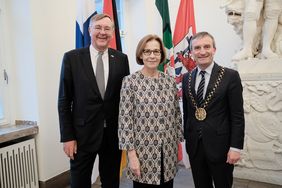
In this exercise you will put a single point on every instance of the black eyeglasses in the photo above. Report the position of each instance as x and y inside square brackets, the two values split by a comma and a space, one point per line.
[148, 52]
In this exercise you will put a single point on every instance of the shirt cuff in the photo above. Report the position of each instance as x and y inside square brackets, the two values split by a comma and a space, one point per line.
[235, 149]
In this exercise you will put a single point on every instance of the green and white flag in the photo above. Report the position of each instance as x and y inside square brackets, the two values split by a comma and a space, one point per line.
[168, 65]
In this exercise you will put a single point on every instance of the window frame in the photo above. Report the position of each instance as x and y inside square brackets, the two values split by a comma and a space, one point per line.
[4, 99]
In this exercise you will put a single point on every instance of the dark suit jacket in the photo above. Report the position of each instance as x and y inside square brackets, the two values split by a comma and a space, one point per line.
[224, 125]
[82, 111]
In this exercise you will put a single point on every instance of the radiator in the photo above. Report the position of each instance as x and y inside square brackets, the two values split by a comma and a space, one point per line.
[18, 165]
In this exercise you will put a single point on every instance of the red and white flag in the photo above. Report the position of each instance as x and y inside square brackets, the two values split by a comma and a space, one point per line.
[184, 29]
[110, 9]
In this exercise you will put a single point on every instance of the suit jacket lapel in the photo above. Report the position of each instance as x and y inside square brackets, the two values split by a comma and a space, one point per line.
[193, 81]
[214, 75]
[89, 71]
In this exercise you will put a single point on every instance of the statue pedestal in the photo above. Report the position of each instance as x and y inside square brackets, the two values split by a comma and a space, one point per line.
[258, 68]
[262, 154]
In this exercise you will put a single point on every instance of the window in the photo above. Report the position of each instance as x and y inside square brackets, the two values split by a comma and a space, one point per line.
[3, 73]
[1, 68]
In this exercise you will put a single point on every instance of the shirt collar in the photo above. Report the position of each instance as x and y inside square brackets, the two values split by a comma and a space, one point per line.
[208, 69]
[95, 52]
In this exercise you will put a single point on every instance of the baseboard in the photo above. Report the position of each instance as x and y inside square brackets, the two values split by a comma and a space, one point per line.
[61, 180]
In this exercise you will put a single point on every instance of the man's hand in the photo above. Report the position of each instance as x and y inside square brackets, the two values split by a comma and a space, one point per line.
[70, 148]
[134, 164]
[233, 156]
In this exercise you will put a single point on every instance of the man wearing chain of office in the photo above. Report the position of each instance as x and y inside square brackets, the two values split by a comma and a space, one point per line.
[213, 116]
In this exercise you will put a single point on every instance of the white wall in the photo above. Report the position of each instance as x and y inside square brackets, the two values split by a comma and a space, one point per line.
[53, 33]
[41, 31]
[210, 17]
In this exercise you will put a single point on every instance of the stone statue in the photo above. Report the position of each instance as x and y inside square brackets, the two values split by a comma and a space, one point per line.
[234, 10]
[259, 23]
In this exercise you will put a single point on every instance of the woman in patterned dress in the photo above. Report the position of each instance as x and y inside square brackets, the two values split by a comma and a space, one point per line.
[150, 119]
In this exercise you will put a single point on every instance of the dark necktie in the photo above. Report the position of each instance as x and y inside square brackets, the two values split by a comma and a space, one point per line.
[100, 74]
[200, 91]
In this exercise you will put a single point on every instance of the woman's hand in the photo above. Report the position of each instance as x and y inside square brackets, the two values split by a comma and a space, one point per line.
[134, 164]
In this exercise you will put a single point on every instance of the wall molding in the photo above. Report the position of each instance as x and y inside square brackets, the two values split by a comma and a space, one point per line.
[61, 180]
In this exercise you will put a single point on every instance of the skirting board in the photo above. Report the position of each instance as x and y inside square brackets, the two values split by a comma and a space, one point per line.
[61, 180]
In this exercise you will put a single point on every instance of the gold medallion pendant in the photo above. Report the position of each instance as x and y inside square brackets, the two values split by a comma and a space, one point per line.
[200, 114]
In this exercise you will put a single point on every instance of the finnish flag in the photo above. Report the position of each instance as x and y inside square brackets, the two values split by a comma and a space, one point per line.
[85, 10]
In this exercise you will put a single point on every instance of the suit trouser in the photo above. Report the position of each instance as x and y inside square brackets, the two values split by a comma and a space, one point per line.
[109, 165]
[207, 174]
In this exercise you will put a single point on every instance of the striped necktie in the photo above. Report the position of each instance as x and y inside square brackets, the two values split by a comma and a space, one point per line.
[200, 91]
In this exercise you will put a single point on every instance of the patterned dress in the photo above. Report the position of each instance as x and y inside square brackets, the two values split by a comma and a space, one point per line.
[150, 122]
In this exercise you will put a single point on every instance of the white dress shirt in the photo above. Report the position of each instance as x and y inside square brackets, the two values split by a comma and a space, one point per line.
[207, 78]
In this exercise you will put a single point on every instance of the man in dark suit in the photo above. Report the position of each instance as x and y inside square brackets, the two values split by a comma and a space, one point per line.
[88, 106]
[213, 116]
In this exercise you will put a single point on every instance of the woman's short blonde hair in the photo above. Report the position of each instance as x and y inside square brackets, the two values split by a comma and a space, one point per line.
[142, 43]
